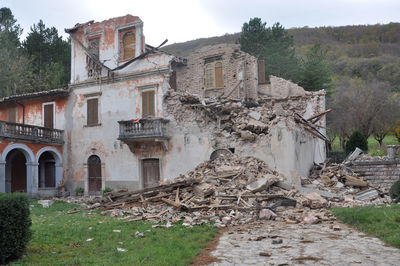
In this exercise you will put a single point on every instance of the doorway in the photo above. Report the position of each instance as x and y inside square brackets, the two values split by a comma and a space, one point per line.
[94, 172]
[150, 172]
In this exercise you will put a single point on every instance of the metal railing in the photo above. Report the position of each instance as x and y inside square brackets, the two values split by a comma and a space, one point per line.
[143, 128]
[31, 133]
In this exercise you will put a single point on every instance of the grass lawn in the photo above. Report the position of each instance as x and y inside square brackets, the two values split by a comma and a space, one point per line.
[381, 221]
[373, 145]
[61, 239]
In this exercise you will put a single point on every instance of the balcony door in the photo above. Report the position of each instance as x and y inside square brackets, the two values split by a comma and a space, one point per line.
[151, 172]
[48, 115]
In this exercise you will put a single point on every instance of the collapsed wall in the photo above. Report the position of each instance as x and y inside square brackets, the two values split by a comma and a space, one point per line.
[268, 128]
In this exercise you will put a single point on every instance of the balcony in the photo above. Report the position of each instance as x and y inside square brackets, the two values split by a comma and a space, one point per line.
[31, 133]
[148, 129]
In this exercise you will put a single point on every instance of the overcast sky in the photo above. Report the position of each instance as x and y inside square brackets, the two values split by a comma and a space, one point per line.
[183, 20]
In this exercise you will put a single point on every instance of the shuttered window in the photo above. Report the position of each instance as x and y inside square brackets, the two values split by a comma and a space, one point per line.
[12, 114]
[213, 75]
[48, 115]
[148, 104]
[129, 46]
[92, 112]
[261, 71]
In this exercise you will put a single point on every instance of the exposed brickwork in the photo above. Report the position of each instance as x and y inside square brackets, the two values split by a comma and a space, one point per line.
[378, 172]
[236, 65]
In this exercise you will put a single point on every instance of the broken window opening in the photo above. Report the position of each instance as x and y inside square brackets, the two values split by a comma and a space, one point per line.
[148, 104]
[213, 73]
[128, 46]
[93, 68]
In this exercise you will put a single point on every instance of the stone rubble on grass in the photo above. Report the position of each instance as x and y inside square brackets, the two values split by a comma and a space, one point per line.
[45, 203]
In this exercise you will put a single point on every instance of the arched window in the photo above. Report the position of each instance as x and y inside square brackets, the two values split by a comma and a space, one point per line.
[213, 75]
[128, 45]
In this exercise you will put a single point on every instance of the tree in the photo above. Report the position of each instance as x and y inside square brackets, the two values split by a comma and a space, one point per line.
[15, 67]
[368, 106]
[50, 55]
[315, 73]
[272, 44]
[356, 140]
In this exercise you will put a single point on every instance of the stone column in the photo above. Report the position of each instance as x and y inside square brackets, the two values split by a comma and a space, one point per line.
[86, 179]
[32, 171]
[2, 176]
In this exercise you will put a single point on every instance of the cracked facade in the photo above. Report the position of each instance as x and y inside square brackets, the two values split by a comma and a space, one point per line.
[133, 116]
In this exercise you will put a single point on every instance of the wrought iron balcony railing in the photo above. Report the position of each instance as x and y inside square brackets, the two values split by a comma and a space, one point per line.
[143, 129]
[31, 133]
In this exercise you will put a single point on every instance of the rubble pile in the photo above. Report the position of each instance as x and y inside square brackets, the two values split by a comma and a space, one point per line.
[235, 118]
[227, 190]
[335, 178]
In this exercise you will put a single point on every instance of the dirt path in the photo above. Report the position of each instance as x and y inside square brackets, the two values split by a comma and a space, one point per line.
[319, 244]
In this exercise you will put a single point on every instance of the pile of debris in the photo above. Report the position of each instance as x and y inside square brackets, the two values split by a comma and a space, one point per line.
[237, 119]
[227, 190]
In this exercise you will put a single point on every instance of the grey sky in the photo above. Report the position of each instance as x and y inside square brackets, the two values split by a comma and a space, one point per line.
[183, 20]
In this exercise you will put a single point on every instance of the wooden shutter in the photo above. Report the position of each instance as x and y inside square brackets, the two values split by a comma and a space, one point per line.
[261, 71]
[209, 79]
[148, 104]
[92, 111]
[94, 167]
[12, 115]
[48, 115]
[129, 45]
[219, 80]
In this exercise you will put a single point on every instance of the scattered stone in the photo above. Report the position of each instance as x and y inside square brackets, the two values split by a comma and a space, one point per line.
[46, 203]
[277, 241]
[265, 253]
[266, 214]
[122, 250]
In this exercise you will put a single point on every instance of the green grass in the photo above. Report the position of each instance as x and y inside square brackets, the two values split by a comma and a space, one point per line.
[380, 221]
[60, 239]
[373, 145]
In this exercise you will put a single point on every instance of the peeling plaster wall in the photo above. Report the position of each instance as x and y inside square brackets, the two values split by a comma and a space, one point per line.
[109, 45]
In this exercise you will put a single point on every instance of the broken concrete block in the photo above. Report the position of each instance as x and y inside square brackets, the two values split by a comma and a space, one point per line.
[262, 184]
[45, 203]
[310, 219]
[247, 135]
[354, 154]
[255, 115]
[266, 214]
[203, 190]
[265, 253]
[226, 220]
[367, 194]
[355, 181]
[339, 185]
[314, 201]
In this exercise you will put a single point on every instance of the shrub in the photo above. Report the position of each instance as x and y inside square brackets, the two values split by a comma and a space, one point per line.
[106, 190]
[394, 191]
[14, 225]
[356, 140]
[79, 191]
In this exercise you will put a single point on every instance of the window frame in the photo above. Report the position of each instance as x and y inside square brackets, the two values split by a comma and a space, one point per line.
[210, 64]
[89, 97]
[54, 113]
[146, 90]
[15, 110]
[124, 35]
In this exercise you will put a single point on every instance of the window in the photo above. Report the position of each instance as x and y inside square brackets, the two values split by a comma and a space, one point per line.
[48, 115]
[213, 73]
[128, 46]
[12, 114]
[148, 103]
[93, 47]
[92, 112]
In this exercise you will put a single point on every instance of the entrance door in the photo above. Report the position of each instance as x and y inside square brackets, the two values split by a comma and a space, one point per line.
[94, 165]
[18, 172]
[151, 172]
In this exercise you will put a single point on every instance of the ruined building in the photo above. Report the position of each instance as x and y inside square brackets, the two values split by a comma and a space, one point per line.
[133, 116]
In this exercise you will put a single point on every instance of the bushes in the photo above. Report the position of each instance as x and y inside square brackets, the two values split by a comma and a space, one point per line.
[14, 225]
[356, 140]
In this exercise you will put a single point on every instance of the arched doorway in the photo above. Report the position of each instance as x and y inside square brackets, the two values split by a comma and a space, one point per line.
[16, 172]
[94, 174]
[47, 170]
